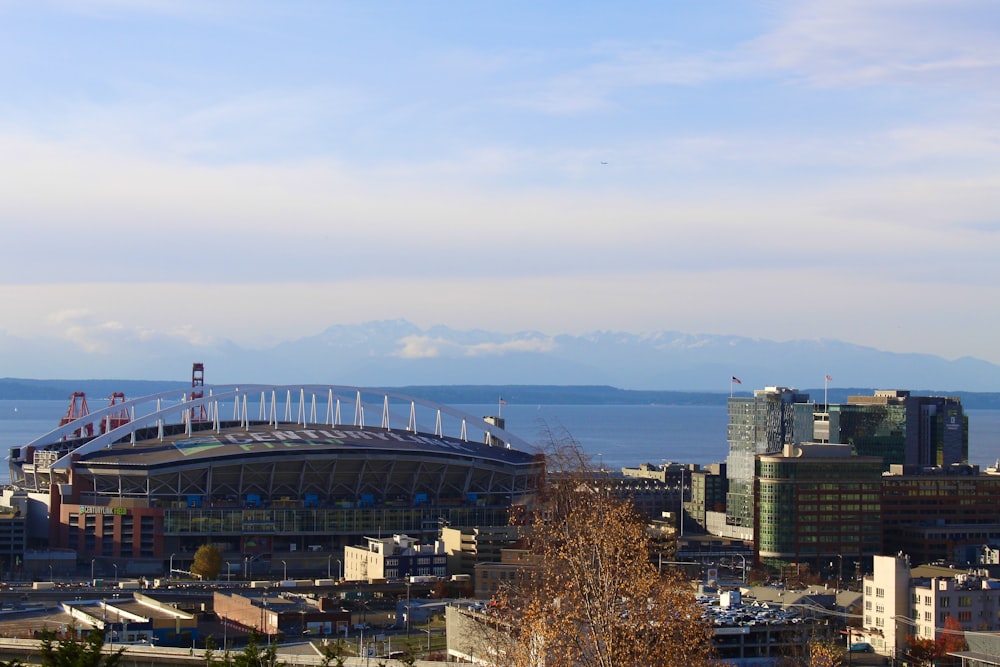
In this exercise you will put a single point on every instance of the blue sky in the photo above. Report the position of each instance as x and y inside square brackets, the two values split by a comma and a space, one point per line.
[258, 171]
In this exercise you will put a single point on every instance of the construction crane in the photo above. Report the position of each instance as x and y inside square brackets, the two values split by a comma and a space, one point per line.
[77, 410]
[115, 419]
[198, 414]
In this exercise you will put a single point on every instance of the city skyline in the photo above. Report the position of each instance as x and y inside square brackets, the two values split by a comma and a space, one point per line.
[185, 174]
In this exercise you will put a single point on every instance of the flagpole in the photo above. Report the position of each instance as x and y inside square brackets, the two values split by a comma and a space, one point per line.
[826, 403]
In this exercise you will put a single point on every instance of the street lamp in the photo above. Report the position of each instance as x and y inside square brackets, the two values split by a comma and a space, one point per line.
[52, 577]
[743, 568]
[284, 566]
[267, 620]
[92, 570]
[229, 573]
[840, 570]
[680, 515]
[170, 575]
[340, 570]
[116, 572]
[408, 584]
[329, 561]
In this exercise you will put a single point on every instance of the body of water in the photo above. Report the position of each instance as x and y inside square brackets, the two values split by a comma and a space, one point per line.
[614, 435]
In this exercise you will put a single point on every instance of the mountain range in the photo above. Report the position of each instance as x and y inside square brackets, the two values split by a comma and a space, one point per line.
[397, 353]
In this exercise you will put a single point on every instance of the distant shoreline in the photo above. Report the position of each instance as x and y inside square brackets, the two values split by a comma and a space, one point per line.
[57, 390]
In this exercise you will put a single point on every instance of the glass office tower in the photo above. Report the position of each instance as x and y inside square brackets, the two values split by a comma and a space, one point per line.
[762, 424]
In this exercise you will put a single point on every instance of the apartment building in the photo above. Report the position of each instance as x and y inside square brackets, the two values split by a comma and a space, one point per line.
[394, 557]
[900, 602]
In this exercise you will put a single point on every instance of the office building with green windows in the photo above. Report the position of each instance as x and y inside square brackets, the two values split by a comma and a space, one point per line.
[818, 504]
[903, 429]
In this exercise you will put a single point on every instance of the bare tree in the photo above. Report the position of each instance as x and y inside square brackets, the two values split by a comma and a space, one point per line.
[592, 597]
[825, 652]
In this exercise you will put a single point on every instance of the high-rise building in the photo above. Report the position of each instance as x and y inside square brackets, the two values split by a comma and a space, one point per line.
[817, 504]
[903, 429]
[762, 424]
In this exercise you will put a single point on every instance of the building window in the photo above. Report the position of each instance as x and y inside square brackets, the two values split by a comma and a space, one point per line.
[880, 592]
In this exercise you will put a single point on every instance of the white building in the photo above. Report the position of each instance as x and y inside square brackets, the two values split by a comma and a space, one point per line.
[899, 602]
[393, 558]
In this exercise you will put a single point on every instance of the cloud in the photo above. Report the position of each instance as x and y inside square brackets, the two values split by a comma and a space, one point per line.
[96, 333]
[871, 42]
[160, 8]
[615, 68]
[425, 347]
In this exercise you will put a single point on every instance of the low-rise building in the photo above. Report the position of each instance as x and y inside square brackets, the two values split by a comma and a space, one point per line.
[939, 513]
[706, 493]
[394, 557]
[513, 563]
[467, 546]
[135, 619]
[272, 614]
[984, 651]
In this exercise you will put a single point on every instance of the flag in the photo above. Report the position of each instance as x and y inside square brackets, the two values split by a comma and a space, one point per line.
[829, 378]
[736, 380]
[502, 402]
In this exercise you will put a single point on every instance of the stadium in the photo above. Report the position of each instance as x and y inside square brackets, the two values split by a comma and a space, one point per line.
[295, 474]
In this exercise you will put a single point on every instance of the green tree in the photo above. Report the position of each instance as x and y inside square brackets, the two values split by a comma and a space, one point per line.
[225, 659]
[73, 653]
[255, 655]
[207, 562]
[334, 653]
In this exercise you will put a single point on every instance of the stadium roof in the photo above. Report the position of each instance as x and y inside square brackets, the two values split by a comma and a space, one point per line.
[180, 425]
